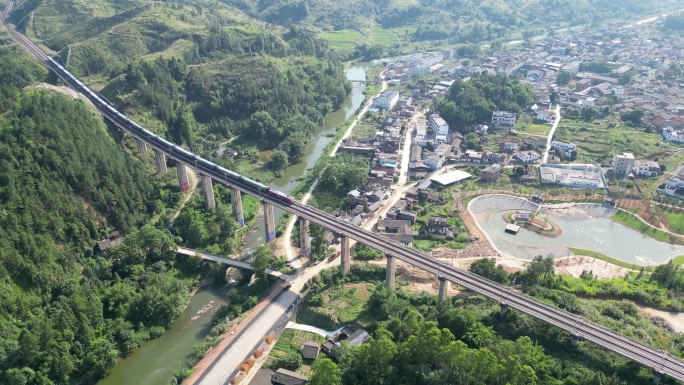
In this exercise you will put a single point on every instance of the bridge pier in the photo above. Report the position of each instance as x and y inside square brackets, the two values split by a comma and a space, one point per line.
[142, 146]
[269, 221]
[304, 238]
[236, 200]
[160, 159]
[503, 309]
[345, 261]
[208, 189]
[182, 172]
[443, 289]
[657, 377]
[391, 272]
[575, 340]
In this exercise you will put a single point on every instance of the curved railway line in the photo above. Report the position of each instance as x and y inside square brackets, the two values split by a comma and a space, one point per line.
[662, 363]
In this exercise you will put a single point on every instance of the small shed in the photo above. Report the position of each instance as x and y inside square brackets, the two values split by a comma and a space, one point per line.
[288, 377]
[512, 229]
[310, 350]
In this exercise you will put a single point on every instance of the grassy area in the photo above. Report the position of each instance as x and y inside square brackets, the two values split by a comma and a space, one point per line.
[429, 244]
[291, 341]
[634, 223]
[348, 38]
[675, 221]
[597, 143]
[617, 262]
[526, 124]
[336, 307]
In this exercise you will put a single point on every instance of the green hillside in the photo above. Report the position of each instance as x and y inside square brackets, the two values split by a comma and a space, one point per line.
[65, 182]
[401, 22]
[197, 71]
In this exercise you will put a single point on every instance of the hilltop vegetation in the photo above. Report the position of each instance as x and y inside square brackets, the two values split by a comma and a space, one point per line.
[197, 72]
[65, 183]
[395, 23]
[464, 340]
[472, 102]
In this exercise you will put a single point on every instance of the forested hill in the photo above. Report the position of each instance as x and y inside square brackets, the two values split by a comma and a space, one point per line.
[196, 71]
[66, 315]
[462, 20]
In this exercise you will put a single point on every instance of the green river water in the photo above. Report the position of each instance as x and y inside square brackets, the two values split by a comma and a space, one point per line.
[155, 361]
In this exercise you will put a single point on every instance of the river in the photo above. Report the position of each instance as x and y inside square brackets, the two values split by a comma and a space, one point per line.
[156, 360]
[288, 181]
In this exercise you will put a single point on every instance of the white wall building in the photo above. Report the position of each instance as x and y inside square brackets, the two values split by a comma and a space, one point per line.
[567, 148]
[438, 125]
[421, 69]
[386, 100]
[527, 156]
[623, 163]
[672, 135]
[503, 119]
[646, 167]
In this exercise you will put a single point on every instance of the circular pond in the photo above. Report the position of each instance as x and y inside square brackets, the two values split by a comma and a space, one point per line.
[584, 226]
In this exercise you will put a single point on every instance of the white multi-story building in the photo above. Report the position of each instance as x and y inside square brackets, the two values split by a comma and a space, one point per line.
[420, 69]
[646, 167]
[672, 135]
[567, 148]
[623, 163]
[527, 156]
[503, 119]
[438, 125]
[386, 100]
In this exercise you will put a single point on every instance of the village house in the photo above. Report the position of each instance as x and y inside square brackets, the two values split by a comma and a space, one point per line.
[288, 377]
[114, 239]
[386, 100]
[310, 350]
[623, 163]
[438, 125]
[355, 334]
[492, 173]
[503, 119]
[438, 226]
[567, 148]
[527, 156]
[508, 146]
[644, 167]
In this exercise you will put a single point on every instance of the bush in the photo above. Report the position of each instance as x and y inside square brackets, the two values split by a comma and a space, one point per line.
[290, 361]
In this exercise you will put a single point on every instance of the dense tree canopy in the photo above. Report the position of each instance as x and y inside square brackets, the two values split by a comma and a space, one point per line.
[473, 101]
[64, 183]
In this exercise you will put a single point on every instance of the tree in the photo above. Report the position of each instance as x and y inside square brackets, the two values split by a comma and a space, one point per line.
[633, 117]
[261, 260]
[279, 160]
[262, 128]
[325, 373]
[663, 168]
[318, 242]
[520, 171]
[487, 268]
[563, 78]
[290, 361]
[539, 269]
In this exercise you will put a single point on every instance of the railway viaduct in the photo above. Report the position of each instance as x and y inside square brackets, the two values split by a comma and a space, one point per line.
[662, 363]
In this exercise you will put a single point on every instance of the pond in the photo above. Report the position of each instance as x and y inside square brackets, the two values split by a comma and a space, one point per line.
[584, 226]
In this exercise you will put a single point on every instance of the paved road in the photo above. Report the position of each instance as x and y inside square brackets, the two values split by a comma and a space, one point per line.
[224, 368]
[641, 353]
[551, 133]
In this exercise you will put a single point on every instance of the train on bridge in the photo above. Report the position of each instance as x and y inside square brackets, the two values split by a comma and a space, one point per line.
[155, 140]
